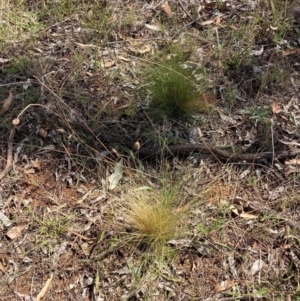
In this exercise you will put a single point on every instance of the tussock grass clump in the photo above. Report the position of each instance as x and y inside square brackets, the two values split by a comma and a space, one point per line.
[152, 219]
[172, 90]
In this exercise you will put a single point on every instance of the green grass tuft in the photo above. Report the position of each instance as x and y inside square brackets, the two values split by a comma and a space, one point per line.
[172, 89]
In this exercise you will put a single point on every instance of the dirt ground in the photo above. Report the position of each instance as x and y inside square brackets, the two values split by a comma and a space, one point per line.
[80, 142]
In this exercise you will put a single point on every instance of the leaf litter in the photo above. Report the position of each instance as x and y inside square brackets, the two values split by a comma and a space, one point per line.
[229, 245]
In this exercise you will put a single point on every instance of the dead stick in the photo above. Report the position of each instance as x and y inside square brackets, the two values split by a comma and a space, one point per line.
[183, 149]
[9, 160]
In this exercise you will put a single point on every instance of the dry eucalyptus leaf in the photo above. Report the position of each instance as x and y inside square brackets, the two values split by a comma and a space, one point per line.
[224, 285]
[116, 176]
[7, 103]
[290, 52]
[3, 61]
[208, 22]
[15, 232]
[107, 64]
[37, 164]
[276, 108]
[29, 171]
[242, 214]
[292, 162]
[247, 216]
[199, 132]
[257, 266]
[257, 52]
[145, 49]
[5, 220]
[153, 27]
[167, 9]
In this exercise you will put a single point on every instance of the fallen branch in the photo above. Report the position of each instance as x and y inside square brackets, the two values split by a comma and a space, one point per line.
[183, 149]
[9, 159]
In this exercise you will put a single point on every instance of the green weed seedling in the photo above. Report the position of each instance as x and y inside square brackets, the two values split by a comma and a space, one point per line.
[54, 226]
[259, 114]
[19, 65]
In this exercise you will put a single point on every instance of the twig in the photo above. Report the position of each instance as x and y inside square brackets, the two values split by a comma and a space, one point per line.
[9, 159]
[183, 149]
[183, 27]
[272, 137]
[182, 6]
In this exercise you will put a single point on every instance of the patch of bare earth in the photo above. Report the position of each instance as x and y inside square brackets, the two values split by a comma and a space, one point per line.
[78, 76]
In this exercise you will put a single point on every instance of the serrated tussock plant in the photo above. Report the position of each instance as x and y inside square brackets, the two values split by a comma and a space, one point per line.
[152, 218]
[172, 89]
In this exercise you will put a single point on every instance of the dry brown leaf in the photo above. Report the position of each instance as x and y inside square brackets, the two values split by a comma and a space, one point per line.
[290, 52]
[44, 290]
[15, 232]
[257, 266]
[257, 52]
[29, 171]
[167, 9]
[37, 165]
[199, 132]
[153, 27]
[276, 108]
[43, 133]
[86, 248]
[108, 64]
[292, 162]
[208, 22]
[7, 103]
[145, 49]
[218, 20]
[246, 215]
[224, 285]
[3, 61]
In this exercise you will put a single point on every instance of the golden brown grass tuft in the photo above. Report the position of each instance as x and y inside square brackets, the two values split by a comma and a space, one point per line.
[152, 218]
